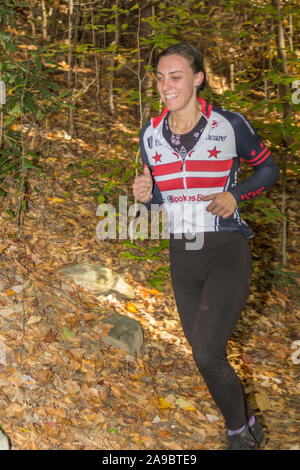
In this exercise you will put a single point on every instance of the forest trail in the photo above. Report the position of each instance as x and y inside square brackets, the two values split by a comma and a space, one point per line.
[62, 388]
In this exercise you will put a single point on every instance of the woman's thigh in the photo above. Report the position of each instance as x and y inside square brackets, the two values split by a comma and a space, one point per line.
[211, 287]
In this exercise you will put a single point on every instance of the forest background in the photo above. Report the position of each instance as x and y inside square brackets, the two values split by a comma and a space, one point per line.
[76, 87]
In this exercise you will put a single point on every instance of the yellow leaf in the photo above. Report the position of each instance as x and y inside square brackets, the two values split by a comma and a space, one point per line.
[24, 430]
[56, 199]
[162, 403]
[131, 308]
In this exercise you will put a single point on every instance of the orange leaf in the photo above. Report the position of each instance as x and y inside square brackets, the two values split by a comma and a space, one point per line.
[164, 433]
[156, 292]
[10, 292]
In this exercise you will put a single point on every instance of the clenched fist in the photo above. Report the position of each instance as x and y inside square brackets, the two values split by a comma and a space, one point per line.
[142, 186]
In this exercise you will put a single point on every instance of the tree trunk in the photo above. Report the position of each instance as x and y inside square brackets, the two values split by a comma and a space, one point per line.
[284, 95]
[44, 23]
[54, 19]
[97, 69]
[70, 58]
[112, 61]
[147, 78]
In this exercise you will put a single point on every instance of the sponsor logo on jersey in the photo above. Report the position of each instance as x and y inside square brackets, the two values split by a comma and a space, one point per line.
[185, 198]
[218, 138]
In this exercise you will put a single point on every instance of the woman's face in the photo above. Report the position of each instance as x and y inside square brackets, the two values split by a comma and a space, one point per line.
[176, 82]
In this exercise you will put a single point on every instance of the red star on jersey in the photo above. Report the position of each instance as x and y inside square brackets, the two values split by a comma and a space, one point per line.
[253, 153]
[213, 152]
[157, 157]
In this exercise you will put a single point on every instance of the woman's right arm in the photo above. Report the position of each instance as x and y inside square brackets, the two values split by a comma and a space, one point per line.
[144, 187]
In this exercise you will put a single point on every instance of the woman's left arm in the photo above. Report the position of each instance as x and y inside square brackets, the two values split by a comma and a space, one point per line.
[250, 148]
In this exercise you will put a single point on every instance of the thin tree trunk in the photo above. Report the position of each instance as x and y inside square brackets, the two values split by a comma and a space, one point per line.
[2, 101]
[70, 35]
[53, 22]
[112, 62]
[44, 23]
[97, 69]
[232, 77]
[148, 83]
[284, 92]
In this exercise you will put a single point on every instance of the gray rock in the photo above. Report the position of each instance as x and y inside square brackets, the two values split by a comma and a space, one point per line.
[4, 442]
[98, 279]
[126, 334]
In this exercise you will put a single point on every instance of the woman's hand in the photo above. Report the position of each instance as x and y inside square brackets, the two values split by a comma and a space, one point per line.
[223, 204]
[142, 186]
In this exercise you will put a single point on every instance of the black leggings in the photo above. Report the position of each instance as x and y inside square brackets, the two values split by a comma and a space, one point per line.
[211, 286]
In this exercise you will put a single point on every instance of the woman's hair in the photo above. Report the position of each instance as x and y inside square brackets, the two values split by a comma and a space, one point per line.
[191, 54]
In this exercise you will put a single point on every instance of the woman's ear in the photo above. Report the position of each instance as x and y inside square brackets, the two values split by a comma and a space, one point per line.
[199, 77]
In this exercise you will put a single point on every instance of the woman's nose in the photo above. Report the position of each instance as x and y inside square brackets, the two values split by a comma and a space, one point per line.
[166, 84]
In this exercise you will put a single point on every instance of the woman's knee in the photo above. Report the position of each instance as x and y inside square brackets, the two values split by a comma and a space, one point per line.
[209, 358]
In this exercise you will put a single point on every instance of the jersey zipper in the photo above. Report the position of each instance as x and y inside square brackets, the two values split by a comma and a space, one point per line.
[184, 175]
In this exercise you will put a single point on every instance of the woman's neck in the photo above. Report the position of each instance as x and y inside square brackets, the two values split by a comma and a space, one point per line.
[181, 122]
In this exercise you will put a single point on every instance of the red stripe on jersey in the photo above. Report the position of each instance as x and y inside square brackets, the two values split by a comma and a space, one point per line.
[206, 182]
[213, 166]
[168, 185]
[258, 163]
[167, 168]
[258, 156]
[204, 107]
[157, 120]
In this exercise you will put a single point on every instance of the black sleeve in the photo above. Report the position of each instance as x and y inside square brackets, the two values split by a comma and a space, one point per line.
[251, 148]
[156, 197]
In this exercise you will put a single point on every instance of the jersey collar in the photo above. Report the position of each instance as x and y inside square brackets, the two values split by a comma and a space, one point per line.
[205, 108]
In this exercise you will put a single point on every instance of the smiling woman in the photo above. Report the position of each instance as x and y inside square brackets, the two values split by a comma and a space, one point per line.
[179, 77]
[191, 155]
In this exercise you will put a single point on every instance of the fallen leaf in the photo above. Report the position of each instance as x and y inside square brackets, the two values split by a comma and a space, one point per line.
[262, 401]
[156, 292]
[131, 308]
[162, 403]
[164, 433]
[185, 405]
[50, 337]
[10, 292]
[19, 289]
[56, 199]
[67, 332]
[13, 410]
[212, 418]
[156, 420]
[33, 319]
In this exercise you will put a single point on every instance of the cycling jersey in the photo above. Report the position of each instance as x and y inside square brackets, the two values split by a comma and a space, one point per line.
[211, 166]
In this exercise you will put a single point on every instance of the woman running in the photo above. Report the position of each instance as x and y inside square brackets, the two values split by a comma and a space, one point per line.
[191, 155]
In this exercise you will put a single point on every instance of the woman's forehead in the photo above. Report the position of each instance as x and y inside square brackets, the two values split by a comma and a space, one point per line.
[172, 64]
